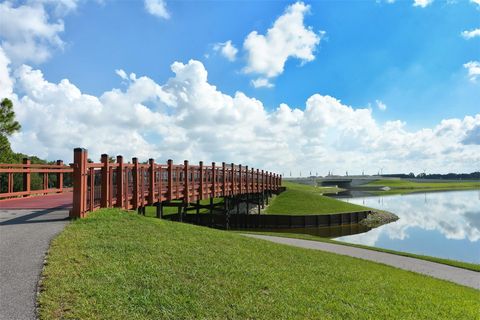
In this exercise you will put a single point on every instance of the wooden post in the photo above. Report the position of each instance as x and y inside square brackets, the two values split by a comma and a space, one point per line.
[26, 176]
[105, 185]
[240, 185]
[45, 181]
[151, 186]
[263, 189]
[79, 183]
[120, 182]
[258, 189]
[201, 181]
[224, 179]
[186, 194]
[91, 174]
[170, 180]
[10, 182]
[247, 189]
[59, 184]
[232, 184]
[214, 181]
[159, 210]
[160, 184]
[135, 190]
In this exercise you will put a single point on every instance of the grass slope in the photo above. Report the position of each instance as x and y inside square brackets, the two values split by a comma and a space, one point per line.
[119, 265]
[405, 186]
[303, 199]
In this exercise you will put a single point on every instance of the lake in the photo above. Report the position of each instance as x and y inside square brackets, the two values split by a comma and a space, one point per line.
[439, 224]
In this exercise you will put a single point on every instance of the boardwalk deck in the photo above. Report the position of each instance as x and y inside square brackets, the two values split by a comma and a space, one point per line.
[57, 201]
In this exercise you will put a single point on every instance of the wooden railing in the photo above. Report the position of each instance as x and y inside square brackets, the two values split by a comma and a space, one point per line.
[26, 179]
[135, 185]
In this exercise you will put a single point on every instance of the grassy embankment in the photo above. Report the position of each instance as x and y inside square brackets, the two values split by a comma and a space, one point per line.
[119, 265]
[301, 199]
[304, 199]
[405, 186]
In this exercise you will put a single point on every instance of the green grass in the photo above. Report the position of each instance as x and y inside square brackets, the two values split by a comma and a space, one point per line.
[453, 263]
[409, 185]
[152, 211]
[119, 265]
[301, 199]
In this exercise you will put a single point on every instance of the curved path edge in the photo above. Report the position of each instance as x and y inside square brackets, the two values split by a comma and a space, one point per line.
[460, 276]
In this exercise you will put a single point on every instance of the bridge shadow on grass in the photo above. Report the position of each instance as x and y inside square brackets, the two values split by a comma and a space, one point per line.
[56, 214]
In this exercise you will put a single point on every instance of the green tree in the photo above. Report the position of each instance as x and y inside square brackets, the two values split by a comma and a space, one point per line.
[8, 124]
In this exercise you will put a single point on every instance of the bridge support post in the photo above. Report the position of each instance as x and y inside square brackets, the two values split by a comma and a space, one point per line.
[26, 176]
[80, 156]
[159, 210]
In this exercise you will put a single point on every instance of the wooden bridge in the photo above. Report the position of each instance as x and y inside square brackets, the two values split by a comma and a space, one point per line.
[85, 186]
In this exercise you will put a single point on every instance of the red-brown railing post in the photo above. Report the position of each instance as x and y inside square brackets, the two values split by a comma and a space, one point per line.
[135, 189]
[214, 181]
[240, 185]
[151, 187]
[232, 182]
[258, 180]
[45, 181]
[224, 179]
[186, 195]
[170, 180]
[10, 182]
[201, 181]
[60, 177]
[26, 176]
[120, 182]
[105, 184]
[247, 188]
[79, 183]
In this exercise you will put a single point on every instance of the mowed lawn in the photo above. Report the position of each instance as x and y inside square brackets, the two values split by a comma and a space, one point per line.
[119, 265]
[304, 199]
[406, 184]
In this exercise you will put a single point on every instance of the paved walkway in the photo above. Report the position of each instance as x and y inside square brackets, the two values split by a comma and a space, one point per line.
[25, 236]
[458, 275]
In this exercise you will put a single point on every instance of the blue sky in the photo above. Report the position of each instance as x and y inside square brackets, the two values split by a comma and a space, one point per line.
[410, 59]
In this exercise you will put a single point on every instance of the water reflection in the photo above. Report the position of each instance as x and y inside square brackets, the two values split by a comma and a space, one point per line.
[442, 224]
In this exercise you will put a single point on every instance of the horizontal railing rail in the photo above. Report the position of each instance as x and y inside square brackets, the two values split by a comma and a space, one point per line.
[135, 185]
[27, 179]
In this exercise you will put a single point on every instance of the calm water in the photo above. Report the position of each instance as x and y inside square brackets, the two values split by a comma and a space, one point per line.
[441, 224]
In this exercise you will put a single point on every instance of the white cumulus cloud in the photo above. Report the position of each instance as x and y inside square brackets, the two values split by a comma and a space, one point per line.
[422, 3]
[380, 105]
[188, 118]
[227, 49]
[288, 37]
[473, 68]
[157, 8]
[469, 34]
[262, 83]
[27, 33]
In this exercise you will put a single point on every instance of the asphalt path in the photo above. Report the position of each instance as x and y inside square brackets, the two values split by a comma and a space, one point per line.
[25, 236]
[437, 270]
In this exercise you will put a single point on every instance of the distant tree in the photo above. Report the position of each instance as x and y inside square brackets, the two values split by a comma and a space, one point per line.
[8, 124]
[411, 175]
